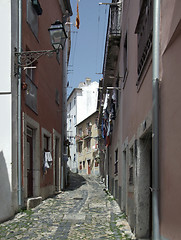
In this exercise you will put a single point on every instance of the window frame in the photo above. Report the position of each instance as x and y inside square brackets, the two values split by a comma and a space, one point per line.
[125, 59]
[131, 167]
[144, 31]
[116, 162]
[32, 18]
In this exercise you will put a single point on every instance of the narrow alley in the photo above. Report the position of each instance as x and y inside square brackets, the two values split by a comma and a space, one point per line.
[83, 211]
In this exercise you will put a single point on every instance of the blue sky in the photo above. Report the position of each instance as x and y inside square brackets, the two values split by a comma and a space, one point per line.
[88, 42]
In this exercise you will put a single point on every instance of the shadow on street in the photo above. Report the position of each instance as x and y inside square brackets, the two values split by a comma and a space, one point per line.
[75, 181]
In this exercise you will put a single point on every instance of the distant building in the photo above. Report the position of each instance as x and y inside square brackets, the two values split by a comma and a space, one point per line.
[81, 103]
[87, 145]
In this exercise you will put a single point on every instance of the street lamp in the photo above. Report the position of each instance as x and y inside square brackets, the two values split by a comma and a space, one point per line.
[58, 37]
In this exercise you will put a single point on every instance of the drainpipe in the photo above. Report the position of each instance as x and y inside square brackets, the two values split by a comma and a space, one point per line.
[155, 112]
[19, 105]
[64, 113]
[63, 165]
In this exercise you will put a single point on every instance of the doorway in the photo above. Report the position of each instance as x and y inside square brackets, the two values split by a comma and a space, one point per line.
[124, 182]
[57, 165]
[29, 162]
[89, 166]
[144, 180]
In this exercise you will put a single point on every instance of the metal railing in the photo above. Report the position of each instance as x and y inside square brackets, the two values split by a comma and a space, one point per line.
[113, 28]
[144, 31]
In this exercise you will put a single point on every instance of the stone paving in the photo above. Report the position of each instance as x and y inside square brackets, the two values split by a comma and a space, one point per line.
[84, 211]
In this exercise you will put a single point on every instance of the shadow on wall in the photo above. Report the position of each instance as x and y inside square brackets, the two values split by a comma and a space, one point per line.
[5, 190]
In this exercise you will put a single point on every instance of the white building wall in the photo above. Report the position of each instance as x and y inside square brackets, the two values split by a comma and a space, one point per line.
[71, 130]
[5, 46]
[87, 103]
[5, 157]
[6, 116]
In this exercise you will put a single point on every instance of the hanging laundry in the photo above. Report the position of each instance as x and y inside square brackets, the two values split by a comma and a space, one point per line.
[47, 161]
[113, 110]
[102, 128]
[108, 128]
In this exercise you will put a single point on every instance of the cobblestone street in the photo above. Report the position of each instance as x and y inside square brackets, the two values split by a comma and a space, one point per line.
[83, 211]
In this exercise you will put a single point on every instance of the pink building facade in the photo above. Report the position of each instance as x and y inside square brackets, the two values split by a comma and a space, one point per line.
[127, 84]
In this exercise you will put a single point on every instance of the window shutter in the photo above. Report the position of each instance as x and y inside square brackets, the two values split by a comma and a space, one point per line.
[37, 7]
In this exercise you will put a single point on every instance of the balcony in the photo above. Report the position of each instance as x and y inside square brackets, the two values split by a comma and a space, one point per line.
[78, 138]
[87, 133]
[112, 43]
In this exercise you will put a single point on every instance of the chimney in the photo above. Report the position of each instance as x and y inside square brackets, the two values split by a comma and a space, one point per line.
[88, 81]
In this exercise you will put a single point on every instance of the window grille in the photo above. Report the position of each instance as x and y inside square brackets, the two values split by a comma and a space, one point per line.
[144, 31]
[131, 182]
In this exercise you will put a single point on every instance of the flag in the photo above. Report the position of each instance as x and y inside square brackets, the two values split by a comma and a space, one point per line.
[77, 17]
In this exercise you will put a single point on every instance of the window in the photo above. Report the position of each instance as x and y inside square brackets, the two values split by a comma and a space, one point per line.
[80, 132]
[74, 101]
[116, 162]
[96, 122]
[37, 7]
[131, 175]
[88, 144]
[131, 179]
[115, 22]
[96, 163]
[80, 147]
[80, 166]
[57, 96]
[32, 17]
[30, 73]
[74, 119]
[125, 55]
[88, 128]
[46, 143]
[46, 149]
[70, 123]
[144, 30]
[84, 164]
[31, 91]
[117, 94]
[88, 124]
[29, 131]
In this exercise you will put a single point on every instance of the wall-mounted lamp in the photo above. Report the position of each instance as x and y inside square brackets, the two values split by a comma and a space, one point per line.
[58, 37]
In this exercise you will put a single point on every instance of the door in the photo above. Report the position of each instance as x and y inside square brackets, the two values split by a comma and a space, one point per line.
[30, 165]
[57, 166]
[89, 167]
[124, 183]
